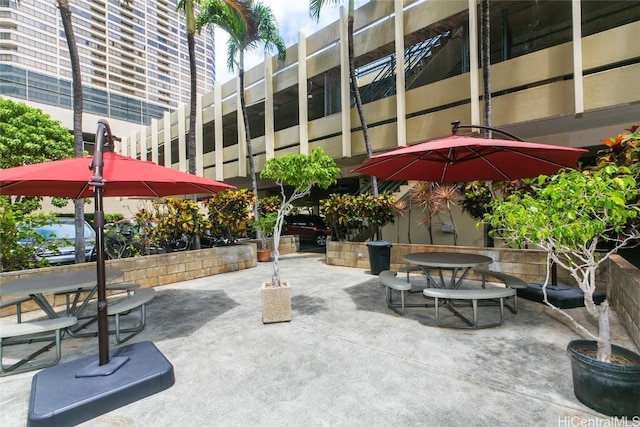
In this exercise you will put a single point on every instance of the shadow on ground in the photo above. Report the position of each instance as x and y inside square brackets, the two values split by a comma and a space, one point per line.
[180, 312]
[303, 304]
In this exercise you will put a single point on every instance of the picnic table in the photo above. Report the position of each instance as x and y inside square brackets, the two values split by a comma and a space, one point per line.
[457, 262]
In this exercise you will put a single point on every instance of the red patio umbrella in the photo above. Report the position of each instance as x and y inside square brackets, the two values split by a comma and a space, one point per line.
[105, 174]
[465, 158]
[122, 176]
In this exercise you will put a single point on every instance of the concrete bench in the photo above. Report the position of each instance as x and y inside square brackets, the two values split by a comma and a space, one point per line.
[33, 328]
[509, 281]
[468, 294]
[18, 303]
[390, 282]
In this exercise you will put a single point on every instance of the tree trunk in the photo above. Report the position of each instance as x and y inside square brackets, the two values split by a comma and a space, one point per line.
[252, 168]
[356, 94]
[191, 41]
[604, 333]
[486, 64]
[78, 140]
[191, 143]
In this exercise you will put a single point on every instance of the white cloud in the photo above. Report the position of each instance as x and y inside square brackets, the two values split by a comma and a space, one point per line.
[292, 17]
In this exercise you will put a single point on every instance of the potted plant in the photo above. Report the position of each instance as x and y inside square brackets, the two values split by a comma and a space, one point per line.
[264, 227]
[569, 215]
[299, 173]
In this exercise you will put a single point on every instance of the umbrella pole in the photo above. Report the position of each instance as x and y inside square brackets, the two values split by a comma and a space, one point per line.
[98, 184]
[103, 321]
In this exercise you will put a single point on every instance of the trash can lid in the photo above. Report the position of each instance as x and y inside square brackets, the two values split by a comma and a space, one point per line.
[379, 243]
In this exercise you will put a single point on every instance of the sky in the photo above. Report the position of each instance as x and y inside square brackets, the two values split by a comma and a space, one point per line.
[292, 17]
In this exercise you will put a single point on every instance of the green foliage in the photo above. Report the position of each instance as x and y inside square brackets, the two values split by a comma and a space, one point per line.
[378, 210]
[176, 218]
[569, 211]
[476, 198]
[247, 28]
[342, 214]
[347, 214]
[269, 204]
[302, 171]
[28, 136]
[623, 150]
[228, 213]
[265, 225]
[17, 227]
[568, 215]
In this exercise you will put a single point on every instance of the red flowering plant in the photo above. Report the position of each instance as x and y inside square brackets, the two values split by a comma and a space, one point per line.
[623, 150]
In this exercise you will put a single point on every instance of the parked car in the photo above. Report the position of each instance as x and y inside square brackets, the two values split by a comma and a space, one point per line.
[307, 227]
[62, 235]
[126, 238]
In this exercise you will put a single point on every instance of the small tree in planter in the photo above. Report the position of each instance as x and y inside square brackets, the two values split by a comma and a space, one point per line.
[568, 215]
[264, 227]
[300, 172]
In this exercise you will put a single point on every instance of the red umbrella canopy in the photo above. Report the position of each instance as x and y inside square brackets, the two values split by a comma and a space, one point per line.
[465, 158]
[123, 176]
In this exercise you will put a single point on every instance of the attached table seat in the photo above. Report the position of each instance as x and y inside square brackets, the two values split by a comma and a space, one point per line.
[390, 282]
[468, 294]
[34, 328]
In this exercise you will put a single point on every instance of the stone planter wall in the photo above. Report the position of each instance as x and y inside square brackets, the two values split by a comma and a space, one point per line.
[623, 293]
[163, 269]
[530, 265]
[155, 270]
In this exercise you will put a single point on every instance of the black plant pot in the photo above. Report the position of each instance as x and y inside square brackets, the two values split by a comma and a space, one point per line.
[609, 388]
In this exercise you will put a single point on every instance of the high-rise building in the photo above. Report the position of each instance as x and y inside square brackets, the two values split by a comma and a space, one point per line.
[133, 55]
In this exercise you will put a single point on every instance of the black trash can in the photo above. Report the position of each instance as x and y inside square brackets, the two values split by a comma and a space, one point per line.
[379, 256]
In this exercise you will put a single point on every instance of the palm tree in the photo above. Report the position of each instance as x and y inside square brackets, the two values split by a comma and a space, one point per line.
[485, 48]
[76, 78]
[315, 6]
[260, 28]
[187, 7]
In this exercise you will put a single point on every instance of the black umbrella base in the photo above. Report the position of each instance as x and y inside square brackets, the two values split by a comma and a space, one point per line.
[65, 395]
[560, 295]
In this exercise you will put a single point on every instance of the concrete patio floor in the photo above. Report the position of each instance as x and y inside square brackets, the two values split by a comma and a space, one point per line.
[345, 359]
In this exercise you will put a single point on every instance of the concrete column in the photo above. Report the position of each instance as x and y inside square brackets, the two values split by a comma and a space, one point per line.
[134, 145]
[182, 137]
[578, 94]
[345, 88]
[474, 75]
[242, 136]
[303, 101]
[124, 146]
[154, 140]
[269, 129]
[217, 123]
[167, 138]
[143, 143]
[400, 81]
[199, 138]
